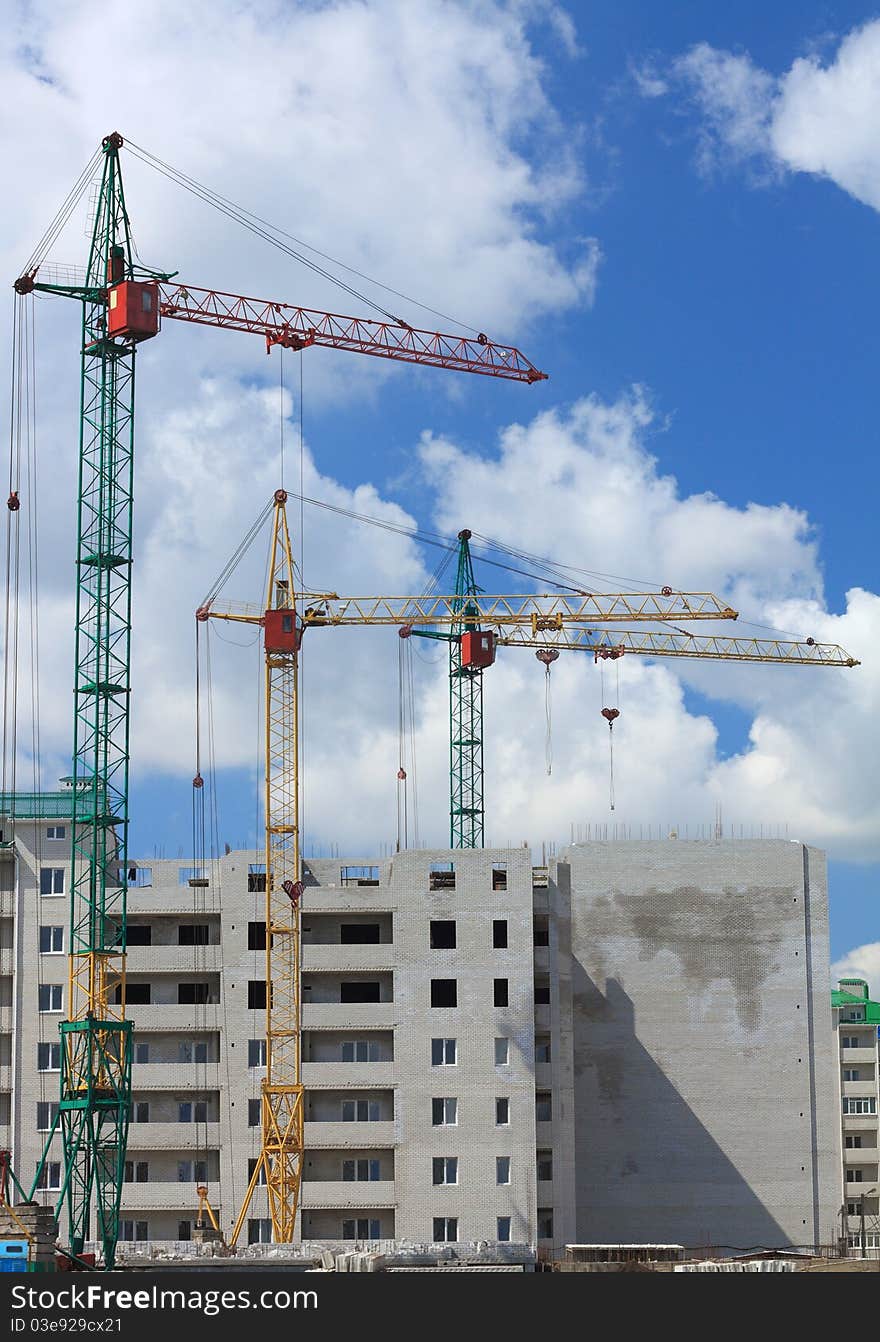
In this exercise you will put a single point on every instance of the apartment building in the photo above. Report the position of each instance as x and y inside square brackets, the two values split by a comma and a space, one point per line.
[632, 1045]
[857, 1018]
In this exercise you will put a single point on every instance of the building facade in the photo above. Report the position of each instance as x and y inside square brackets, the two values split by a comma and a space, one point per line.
[627, 1046]
[858, 1027]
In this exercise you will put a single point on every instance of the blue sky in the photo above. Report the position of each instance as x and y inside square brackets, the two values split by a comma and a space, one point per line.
[673, 210]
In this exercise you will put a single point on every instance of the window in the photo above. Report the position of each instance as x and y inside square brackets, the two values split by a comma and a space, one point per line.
[541, 932]
[364, 1227]
[140, 1111]
[184, 1230]
[852, 1209]
[47, 1112]
[855, 1014]
[136, 994]
[139, 934]
[260, 1230]
[499, 934]
[542, 1048]
[502, 1169]
[256, 878]
[192, 934]
[545, 1165]
[444, 1112]
[445, 1170]
[501, 992]
[56, 831]
[254, 1113]
[851, 1074]
[133, 1230]
[441, 876]
[193, 994]
[502, 1229]
[139, 877]
[854, 1176]
[192, 1111]
[192, 1050]
[444, 1052]
[445, 1229]
[51, 940]
[502, 1052]
[257, 996]
[542, 991]
[444, 992]
[141, 1052]
[442, 934]
[48, 1057]
[360, 990]
[499, 875]
[136, 1172]
[51, 880]
[50, 1175]
[192, 1171]
[360, 1170]
[849, 1041]
[545, 1223]
[502, 1110]
[854, 1141]
[359, 875]
[256, 1053]
[359, 934]
[257, 936]
[49, 997]
[543, 1106]
[187, 874]
[866, 1104]
[261, 1177]
[360, 1050]
[872, 1240]
[360, 1111]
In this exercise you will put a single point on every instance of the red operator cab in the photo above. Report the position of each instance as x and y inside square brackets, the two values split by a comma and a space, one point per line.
[281, 632]
[133, 309]
[477, 648]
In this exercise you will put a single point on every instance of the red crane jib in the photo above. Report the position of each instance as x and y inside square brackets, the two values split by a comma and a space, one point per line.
[298, 328]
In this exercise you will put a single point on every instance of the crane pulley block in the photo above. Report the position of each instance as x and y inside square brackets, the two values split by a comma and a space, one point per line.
[133, 309]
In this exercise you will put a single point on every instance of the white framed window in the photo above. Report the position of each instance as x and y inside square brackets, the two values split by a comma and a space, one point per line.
[444, 1111]
[49, 1057]
[444, 1052]
[854, 1015]
[360, 1111]
[851, 1074]
[136, 1172]
[51, 880]
[196, 1050]
[256, 1053]
[502, 1169]
[502, 1052]
[192, 1111]
[502, 1229]
[56, 831]
[50, 1176]
[360, 1050]
[854, 1176]
[260, 1230]
[192, 1171]
[50, 997]
[361, 1171]
[850, 1041]
[502, 1111]
[261, 1177]
[47, 1112]
[444, 1170]
[853, 1141]
[362, 1227]
[445, 1230]
[51, 940]
[140, 1111]
[872, 1240]
[133, 1230]
[859, 1104]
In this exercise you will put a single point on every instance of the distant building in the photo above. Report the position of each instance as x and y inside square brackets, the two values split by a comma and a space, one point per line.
[632, 1046]
[858, 1026]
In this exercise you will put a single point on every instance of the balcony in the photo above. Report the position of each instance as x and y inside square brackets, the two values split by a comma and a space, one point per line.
[859, 1089]
[851, 1057]
[350, 1135]
[338, 1194]
[158, 1016]
[152, 900]
[162, 1197]
[348, 1075]
[542, 959]
[174, 959]
[860, 1123]
[347, 899]
[348, 1015]
[542, 1018]
[173, 1136]
[175, 1076]
[336, 957]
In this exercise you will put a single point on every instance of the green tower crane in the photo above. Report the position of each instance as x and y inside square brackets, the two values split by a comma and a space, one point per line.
[466, 815]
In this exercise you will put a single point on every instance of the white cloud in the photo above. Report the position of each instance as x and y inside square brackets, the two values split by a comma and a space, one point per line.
[818, 118]
[861, 962]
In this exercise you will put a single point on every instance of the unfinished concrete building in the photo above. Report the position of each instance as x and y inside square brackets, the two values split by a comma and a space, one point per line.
[634, 1045]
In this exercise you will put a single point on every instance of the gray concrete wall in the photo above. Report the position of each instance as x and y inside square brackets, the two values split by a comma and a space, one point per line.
[701, 1045]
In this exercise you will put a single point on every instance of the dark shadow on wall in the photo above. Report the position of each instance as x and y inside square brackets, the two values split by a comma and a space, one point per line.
[647, 1170]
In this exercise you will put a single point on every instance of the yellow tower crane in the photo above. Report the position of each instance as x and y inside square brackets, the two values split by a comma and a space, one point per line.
[547, 620]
